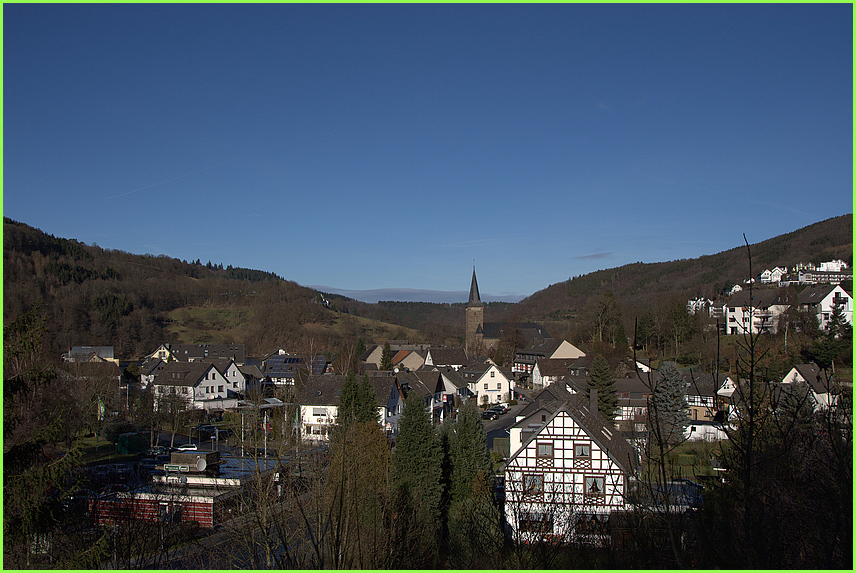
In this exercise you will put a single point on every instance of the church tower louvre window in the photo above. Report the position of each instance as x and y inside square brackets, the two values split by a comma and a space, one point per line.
[474, 318]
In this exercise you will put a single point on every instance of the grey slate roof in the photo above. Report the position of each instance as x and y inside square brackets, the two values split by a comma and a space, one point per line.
[181, 374]
[815, 294]
[444, 356]
[607, 438]
[763, 298]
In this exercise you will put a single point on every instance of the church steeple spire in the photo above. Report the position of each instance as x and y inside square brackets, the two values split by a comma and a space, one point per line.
[474, 291]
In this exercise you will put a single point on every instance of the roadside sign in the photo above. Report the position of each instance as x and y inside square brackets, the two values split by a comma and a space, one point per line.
[176, 468]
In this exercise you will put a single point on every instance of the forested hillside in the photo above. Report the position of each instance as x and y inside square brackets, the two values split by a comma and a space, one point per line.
[96, 296]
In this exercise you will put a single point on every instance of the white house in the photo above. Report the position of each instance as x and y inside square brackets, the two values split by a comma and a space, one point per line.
[756, 311]
[318, 403]
[835, 266]
[567, 475]
[821, 301]
[824, 392]
[555, 348]
[196, 385]
[442, 356]
[774, 275]
[549, 370]
[490, 386]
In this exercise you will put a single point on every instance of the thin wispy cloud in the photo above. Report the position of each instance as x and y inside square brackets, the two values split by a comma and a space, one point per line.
[593, 256]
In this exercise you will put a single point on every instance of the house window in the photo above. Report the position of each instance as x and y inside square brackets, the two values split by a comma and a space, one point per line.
[543, 417]
[533, 483]
[219, 388]
[499, 385]
[594, 486]
[485, 385]
[533, 521]
[545, 450]
[582, 450]
[591, 524]
[492, 374]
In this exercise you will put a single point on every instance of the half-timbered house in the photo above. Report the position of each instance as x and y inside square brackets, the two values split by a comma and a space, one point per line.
[568, 472]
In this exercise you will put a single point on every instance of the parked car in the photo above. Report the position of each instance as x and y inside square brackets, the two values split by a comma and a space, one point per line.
[155, 451]
[206, 428]
[490, 415]
[188, 447]
[499, 409]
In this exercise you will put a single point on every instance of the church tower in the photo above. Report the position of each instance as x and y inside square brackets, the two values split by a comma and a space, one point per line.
[475, 319]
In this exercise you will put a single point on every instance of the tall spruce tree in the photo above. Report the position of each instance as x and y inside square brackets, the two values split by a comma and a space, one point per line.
[386, 357]
[474, 523]
[602, 379]
[357, 401]
[669, 403]
[417, 488]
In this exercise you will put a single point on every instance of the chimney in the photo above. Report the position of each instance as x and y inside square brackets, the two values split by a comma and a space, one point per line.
[593, 400]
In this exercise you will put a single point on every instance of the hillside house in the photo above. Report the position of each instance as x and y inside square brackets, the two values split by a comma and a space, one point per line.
[825, 277]
[568, 472]
[80, 354]
[488, 383]
[281, 368]
[552, 348]
[756, 310]
[319, 401]
[823, 389]
[195, 385]
[407, 360]
[200, 352]
[439, 356]
[549, 370]
[821, 301]
[150, 368]
[773, 276]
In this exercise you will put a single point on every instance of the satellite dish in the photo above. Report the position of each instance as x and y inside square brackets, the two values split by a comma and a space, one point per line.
[201, 464]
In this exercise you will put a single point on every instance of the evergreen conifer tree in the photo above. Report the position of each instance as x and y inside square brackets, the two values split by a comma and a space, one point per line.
[670, 404]
[357, 401]
[602, 379]
[475, 529]
[417, 488]
[386, 357]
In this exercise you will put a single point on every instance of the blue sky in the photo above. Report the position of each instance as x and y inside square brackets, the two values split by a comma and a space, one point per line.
[389, 146]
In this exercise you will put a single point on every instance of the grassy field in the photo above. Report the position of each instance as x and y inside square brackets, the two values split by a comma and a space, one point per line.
[194, 325]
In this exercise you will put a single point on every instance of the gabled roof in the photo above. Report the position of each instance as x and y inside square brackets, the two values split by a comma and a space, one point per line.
[321, 390]
[815, 377]
[762, 298]
[816, 294]
[186, 352]
[559, 366]
[703, 384]
[251, 371]
[576, 406]
[443, 356]
[400, 355]
[324, 389]
[150, 365]
[182, 374]
[423, 382]
[531, 331]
